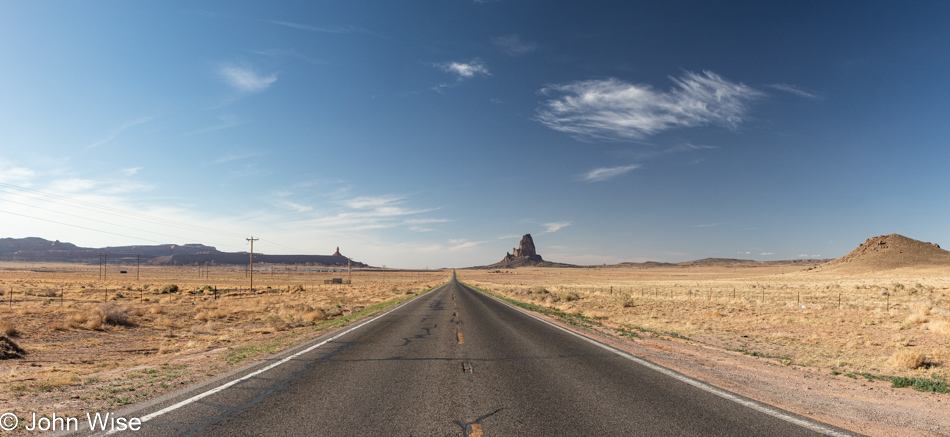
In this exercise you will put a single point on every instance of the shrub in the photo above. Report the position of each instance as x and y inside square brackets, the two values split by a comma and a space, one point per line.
[313, 316]
[170, 288]
[906, 359]
[940, 327]
[113, 314]
[6, 328]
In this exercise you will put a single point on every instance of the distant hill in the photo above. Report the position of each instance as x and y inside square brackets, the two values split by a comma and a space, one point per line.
[33, 249]
[888, 252]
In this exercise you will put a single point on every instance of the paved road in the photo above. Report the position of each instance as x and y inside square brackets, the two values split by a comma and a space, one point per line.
[457, 362]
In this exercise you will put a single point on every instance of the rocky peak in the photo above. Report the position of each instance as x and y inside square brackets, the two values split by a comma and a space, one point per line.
[525, 250]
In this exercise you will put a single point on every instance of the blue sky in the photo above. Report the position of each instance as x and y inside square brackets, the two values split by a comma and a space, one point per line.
[436, 133]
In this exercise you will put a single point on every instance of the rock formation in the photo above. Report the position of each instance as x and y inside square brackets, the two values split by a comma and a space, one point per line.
[887, 252]
[525, 250]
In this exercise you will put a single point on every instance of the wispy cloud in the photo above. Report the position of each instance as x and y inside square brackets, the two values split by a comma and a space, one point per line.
[245, 79]
[805, 255]
[554, 226]
[513, 45]
[767, 253]
[227, 122]
[602, 174]
[130, 171]
[459, 244]
[273, 53]
[465, 70]
[115, 133]
[234, 156]
[324, 29]
[364, 202]
[707, 225]
[11, 173]
[795, 90]
[72, 185]
[614, 109]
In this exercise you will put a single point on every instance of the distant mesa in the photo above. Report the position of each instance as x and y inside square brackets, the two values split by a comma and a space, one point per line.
[886, 252]
[34, 249]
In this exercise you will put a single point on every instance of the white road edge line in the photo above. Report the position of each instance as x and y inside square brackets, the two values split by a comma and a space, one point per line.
[693, 382]
[222, 387]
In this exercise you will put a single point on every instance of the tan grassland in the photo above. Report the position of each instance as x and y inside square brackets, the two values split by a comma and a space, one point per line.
[767, 332]
[96, 344]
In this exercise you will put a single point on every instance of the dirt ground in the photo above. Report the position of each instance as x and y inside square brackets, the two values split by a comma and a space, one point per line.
[775, 334]
[96, 344]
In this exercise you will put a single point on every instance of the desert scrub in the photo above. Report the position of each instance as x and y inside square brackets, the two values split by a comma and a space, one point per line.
[7, 328]
[906, 359]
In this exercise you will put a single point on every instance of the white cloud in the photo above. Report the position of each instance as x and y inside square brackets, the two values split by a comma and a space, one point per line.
[767, 253]
[465, 70]
[795, 90]
[602, 174]
[11, 173]
[363, 202]
[245, 79]
[513, 45]
[614, 109]
[805, 255]
[131, 171]
[459, 244]
[554, 226]
[72, 185]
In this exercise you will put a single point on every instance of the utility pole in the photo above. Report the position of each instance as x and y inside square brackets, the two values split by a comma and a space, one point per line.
[252, 240]
[105, 264]
[349, 271]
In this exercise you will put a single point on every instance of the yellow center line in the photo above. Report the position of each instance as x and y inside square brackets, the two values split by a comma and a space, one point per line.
[476, 430]
[461, 339]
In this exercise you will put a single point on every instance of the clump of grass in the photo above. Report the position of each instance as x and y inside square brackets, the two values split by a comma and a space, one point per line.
[170, 288]
[917, 318]
[7, 328]
[939, 327]
[906, 359]
[313, 316]
[115, 315]
[277, 323]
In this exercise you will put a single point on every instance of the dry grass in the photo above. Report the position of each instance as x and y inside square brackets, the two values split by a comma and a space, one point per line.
[906, 359]
[7, 328]
[939, 327]
[98, 330]
[838, 323]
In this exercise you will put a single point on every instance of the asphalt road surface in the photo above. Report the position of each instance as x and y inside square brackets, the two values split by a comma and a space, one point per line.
[457, 362]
